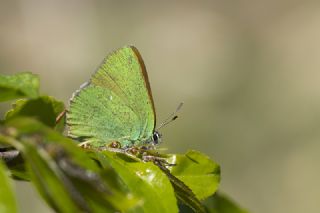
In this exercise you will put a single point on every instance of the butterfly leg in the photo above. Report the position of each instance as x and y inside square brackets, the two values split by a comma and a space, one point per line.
[148, 155]
[157, 160]
[85, 145]
[88, 144]
[112, 146]
[115, 144]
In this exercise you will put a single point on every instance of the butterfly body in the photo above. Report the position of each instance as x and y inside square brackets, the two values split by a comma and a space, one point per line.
[116, 104]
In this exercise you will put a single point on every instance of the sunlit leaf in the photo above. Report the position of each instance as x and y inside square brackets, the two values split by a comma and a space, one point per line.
[18, 86]
[197, 171]
[144, 179]
[182, 191]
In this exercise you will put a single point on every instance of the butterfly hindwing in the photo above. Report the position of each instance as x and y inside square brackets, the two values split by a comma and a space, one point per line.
[90, 113]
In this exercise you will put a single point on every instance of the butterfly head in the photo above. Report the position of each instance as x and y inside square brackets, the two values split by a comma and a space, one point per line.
[156, 138]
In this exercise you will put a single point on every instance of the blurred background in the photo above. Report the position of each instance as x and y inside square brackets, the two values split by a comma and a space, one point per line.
[247, 71]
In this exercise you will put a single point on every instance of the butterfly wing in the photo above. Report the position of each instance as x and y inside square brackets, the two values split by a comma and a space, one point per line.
[117, 103]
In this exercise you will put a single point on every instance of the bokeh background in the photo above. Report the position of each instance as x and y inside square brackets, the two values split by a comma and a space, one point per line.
[248, 72]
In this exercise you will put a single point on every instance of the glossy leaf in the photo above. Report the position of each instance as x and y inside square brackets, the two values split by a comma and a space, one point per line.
[44, 108]
[18, 86]
[7, 199]
[182, 191]
[197, 171]
[144, 179]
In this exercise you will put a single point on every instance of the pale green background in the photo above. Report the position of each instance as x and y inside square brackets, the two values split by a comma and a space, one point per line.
[248, 72]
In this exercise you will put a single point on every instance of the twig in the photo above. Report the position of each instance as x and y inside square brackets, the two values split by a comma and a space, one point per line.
[9, 155]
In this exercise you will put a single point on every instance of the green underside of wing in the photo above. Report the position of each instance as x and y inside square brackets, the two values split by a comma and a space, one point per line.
[116, 105]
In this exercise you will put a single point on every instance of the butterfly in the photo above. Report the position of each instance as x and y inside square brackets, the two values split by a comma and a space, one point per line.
[116, 105]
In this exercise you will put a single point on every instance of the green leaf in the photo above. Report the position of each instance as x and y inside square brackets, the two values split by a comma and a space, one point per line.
[18, 86]
[144, 179]
[7, 199]
[66, 177]
[51, 183]
[197, 171]
[221, 204]
[44, 108]
[182, 191]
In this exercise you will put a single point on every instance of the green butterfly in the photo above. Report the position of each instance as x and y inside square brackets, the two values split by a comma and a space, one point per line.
[116, 105]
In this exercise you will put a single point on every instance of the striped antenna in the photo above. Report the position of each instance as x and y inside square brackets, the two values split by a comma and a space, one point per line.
[173, 116]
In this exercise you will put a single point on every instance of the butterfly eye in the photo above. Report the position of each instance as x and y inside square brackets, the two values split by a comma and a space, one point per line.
[156, 137]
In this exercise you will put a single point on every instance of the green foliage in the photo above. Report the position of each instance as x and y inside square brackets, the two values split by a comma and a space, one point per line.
[142, 178]
[7, 199]
[197, 171]
[43, 108]
[74, 179]
[219, 203]
[61, 171]
[18, 86]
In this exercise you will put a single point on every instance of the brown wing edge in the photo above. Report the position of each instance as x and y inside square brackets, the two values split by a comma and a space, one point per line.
[146, 79]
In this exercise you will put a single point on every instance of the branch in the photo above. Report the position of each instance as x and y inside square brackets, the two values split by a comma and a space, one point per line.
[8, 155]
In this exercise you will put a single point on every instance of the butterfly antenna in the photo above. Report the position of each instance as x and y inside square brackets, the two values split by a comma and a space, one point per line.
[173, 116]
